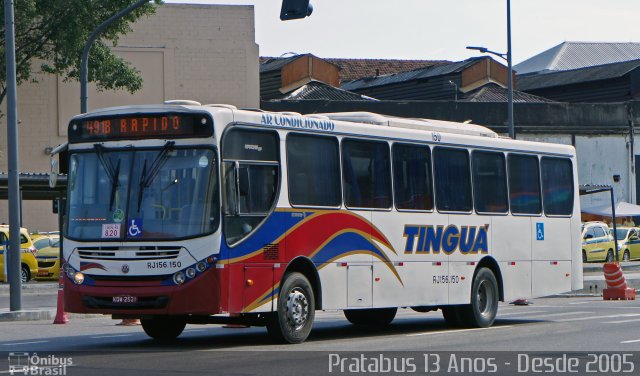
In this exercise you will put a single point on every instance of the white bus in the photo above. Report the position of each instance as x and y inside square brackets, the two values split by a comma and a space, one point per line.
[182, 213]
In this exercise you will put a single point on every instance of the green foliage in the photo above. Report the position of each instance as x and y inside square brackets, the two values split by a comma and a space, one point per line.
[50, 36]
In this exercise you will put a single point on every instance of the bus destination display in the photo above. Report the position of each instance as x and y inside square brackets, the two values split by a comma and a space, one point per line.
[140, 127]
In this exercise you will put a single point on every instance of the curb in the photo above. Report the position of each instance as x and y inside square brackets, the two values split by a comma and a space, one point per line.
[28, 315]
[43, 314]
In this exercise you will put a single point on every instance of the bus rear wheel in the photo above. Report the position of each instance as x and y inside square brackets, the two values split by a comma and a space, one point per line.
[293, 320]
[373, 317]
[164, 327]
[482, 311]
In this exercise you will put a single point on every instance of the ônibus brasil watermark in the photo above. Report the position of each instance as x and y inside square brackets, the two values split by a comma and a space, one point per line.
[24, 363]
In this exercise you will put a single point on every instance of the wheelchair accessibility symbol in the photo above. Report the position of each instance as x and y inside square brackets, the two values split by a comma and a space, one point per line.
[539, 231]
[135, 228]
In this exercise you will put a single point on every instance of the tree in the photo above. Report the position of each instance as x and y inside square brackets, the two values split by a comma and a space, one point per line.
[50, 36]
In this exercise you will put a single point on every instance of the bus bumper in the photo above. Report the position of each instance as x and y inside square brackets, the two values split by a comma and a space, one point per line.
[200, 296]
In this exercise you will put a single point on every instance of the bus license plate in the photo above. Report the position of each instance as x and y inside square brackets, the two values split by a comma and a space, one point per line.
[125, 299]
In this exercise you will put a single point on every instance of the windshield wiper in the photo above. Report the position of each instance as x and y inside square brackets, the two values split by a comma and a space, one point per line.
[112, 174]
[146, 178]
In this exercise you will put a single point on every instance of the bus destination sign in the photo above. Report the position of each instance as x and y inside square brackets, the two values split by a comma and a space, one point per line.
[140, 126]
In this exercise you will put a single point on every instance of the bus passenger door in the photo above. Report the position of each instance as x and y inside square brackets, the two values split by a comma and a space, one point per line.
[359, 285]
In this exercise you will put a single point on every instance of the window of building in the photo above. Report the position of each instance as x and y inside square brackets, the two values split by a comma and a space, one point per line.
[489, 182]
[524, 184]
[557, 186]
[412, 177]
[452, 179]
[313, 167]
[366, 174]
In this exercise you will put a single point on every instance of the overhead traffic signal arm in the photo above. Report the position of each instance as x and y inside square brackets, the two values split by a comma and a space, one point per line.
[295, 9]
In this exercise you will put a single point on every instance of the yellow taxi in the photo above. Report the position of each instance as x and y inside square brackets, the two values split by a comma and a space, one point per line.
[48, 256]
[597, 242]
[28, 262]
[628, 242]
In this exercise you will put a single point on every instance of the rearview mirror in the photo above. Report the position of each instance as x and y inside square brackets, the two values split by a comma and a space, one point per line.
[230, 199]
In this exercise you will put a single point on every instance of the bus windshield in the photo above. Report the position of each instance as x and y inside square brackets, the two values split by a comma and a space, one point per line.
[128, 194]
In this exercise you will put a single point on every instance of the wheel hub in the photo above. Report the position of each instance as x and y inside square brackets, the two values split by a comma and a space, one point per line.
[297, 309]
[484, 298]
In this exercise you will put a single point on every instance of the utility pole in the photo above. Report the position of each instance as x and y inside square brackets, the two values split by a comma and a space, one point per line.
[13, 250]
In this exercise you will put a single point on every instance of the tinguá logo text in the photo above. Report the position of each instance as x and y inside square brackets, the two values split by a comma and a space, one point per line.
[436, 239]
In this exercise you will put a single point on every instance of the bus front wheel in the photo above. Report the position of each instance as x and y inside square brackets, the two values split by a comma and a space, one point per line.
[164, 327]
[293, 320]
[482, 311]
[372, 316]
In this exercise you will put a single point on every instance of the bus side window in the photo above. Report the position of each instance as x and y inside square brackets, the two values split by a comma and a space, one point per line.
[366, 174]
[453, 179]
[412, 177]
[524, 184]
[489, 182]
[557, 186]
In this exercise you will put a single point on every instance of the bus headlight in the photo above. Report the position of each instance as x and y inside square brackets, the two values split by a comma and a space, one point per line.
[201, 266]
[191, 272]
[179, 278]
[78, 278]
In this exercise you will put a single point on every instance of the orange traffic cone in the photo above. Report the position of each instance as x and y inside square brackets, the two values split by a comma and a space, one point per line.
[617, 288]
[61, 315]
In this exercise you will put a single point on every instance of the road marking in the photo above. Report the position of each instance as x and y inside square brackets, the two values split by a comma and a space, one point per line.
[621, 321]
[457, 331]
[600, 317]
[22, 343]
[521, 313]
[113, 336]
[580, 303]
[632, 341]
[565, 314]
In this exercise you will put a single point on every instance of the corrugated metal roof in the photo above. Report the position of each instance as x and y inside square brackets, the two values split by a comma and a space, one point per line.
[575, 55]
[568, 77]
[276, 63]
[320, 90]
[493, 92]
[353, 69]
[416, 74]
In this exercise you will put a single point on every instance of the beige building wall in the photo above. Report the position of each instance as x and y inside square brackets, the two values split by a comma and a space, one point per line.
[205, 53]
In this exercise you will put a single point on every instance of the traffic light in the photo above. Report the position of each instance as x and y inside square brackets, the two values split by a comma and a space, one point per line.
[295, 9]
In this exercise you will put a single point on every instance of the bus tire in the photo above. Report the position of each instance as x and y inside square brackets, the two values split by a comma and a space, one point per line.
[482, 311]
[164, 328]
[584, 256]
[371, 317]
[293, 320]
[451, 316]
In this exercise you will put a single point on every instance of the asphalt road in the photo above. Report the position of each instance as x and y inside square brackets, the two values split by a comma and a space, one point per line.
[551, 325]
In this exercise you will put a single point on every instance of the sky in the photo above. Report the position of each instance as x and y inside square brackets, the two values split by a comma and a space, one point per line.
[437, 29]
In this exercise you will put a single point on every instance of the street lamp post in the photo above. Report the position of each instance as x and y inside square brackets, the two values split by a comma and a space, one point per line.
[84, 62]
[507, 57]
